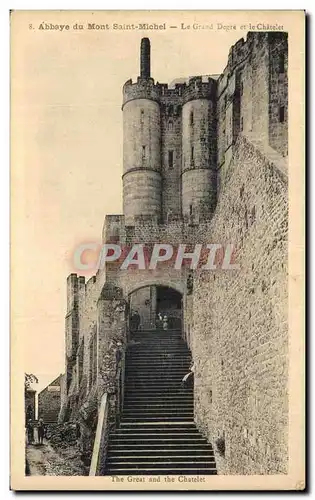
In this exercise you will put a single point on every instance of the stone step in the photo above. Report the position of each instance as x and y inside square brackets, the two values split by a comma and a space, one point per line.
[163, 459]
[184, 418]
[156, 399]
[147, 471]
[163, 392]
[165, 412]
[159, 452]
[155, 375]
[156, 430]
[154, 435]
[157, 433]
[184, 447]
[137, 406]
[153, 425]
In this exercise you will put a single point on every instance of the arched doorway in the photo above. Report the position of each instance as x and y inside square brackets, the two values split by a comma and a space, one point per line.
[150, 302]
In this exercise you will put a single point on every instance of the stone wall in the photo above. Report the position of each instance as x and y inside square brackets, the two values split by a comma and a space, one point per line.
[250, 92]
[29, 403]
[239, 334]
[278, 84]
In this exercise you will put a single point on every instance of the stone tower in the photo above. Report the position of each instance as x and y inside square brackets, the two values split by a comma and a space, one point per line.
[169, 146]
[142, 181]
[199, 148]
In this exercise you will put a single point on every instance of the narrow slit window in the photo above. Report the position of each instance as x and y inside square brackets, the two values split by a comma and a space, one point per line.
[170, 159]
[242, 88]
[281, 114]
[242, 123]
[190, 209]
[142, 116]
[170, 126]
[191, 118]
[281, 63]
[192, 154]
[143, 152]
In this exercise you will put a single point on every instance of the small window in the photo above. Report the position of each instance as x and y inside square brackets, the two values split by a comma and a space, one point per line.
[242, 123]
[241, 88]
[190, 209]
[170, 159]
[170, 126]
[281, 63]
[143, 152]
[142, 116]
[191, 118]
[192, 155]
[281, 114]
[170, 110]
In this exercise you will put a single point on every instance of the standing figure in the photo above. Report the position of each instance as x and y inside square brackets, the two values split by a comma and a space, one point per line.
[137, 320]
[159, 321]
[165, 322]
[40, 430]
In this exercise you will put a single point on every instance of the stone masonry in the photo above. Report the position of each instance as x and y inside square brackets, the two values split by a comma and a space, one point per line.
[205, 161]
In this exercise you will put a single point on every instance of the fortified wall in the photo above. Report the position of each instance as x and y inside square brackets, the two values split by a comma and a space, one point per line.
[240, 331]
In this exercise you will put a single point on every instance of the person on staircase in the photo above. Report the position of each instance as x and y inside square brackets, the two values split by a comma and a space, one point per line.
[135, 321]
[159, 321]
[188, 379]
[165, 322]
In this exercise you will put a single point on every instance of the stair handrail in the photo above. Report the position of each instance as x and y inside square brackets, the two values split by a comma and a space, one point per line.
[101, 438]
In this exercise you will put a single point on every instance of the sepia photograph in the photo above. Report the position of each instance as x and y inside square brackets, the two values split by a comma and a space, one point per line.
[157, 249]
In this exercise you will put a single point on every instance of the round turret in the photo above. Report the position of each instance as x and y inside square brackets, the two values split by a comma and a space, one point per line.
[141, 145]
[198, 157]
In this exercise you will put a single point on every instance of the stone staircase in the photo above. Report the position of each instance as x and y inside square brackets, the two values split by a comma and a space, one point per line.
[157, 433]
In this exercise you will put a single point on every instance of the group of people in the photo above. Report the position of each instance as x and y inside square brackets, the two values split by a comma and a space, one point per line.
[39, 426]
[135, 321]
[162, 321]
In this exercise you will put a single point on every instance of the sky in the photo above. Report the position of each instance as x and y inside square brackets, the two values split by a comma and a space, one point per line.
[67, 149]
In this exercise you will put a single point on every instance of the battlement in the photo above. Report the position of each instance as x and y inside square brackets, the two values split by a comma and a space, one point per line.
[243, 49]
[196, 88]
